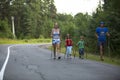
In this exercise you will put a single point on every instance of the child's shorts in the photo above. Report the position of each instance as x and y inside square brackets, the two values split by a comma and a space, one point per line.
[81, 51]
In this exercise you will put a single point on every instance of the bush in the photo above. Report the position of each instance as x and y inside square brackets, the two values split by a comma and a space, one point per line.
[5, 31]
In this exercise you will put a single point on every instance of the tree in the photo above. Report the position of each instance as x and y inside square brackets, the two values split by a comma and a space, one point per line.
[31, 17]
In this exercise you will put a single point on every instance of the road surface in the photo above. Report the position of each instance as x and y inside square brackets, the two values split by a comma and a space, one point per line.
[34, 62]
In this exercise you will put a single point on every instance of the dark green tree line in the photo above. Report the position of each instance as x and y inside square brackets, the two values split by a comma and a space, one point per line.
[30, 16]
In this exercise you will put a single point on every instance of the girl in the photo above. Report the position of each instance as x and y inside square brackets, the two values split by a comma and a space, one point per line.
[68, 45]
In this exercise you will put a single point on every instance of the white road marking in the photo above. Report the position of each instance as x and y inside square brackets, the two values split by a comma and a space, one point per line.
[7, 58]
[5, 63]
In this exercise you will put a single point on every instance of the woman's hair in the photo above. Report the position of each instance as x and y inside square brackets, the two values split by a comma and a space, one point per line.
[56, 24]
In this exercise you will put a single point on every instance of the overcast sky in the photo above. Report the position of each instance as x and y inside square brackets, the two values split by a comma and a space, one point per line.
[75, 6]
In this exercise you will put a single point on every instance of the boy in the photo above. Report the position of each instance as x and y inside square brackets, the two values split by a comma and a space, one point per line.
[81, 44]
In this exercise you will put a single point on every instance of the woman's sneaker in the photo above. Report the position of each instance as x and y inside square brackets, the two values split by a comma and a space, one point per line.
[59, 57]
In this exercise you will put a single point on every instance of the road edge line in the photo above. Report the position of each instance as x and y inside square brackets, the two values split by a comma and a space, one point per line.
[5, 63]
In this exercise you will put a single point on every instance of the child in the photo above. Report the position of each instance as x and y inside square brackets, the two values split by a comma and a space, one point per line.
[68, 45]
[81, 44]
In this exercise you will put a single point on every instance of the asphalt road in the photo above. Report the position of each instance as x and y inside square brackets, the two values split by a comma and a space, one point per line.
[3, 54]
[32, 62]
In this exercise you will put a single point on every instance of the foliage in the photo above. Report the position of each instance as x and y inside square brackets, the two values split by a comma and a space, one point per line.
[32, 17]
[5, 29]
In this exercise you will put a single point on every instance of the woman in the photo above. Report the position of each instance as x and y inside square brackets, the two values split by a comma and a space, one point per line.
[55, 34]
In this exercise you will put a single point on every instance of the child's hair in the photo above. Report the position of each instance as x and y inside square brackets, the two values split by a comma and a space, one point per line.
[81, 37]
[68, 36]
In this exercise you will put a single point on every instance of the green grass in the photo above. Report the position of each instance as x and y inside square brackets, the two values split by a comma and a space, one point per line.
[109, 60]
[24, 41]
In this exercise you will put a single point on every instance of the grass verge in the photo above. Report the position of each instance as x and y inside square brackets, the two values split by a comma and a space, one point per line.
[24, 41]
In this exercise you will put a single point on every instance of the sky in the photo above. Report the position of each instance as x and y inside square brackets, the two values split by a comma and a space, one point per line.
[75, 6]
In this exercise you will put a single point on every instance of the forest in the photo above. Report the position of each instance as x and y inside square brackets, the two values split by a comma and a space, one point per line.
[34, 19]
